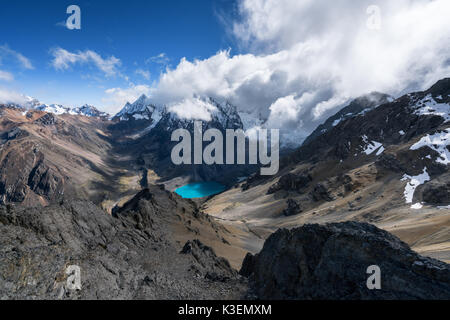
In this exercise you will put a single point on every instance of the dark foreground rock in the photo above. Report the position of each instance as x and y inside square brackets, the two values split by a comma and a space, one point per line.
[331, 261]
[132, 255]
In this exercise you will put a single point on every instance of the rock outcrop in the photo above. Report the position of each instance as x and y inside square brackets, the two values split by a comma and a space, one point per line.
[437, 192]
[331, 262]
[207, 264]
[321, 192]
[292, 209]
[291, 182]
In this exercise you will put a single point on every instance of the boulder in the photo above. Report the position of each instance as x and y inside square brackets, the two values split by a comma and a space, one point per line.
[436, 192]
[292, 209]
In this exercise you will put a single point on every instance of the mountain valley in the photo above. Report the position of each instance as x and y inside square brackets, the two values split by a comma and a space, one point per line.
[79, 186]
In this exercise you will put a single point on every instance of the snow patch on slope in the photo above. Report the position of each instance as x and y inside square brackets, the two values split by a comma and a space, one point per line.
[372, 146]
[156, 117]
[439, 143]
[411, 186]
[417, 206]
[429, 106]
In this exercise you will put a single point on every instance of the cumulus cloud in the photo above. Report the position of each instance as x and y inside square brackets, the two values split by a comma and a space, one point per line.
[63, 59]
[116, 98]
[308, 57]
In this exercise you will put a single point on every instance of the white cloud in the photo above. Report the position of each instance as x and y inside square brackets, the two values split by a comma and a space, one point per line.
[9, 96]
[356, 58]
[193, 109]
[322, 107]
[116, 98]
[26, 63]
[282, 110]
[144, 73]
[6, 76]
[5, 50]
[63, 59]
[159, 59]
[311, 56]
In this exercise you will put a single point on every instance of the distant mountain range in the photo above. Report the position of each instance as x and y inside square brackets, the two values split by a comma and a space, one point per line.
[143, 112]
[141, 132]
[34, 104]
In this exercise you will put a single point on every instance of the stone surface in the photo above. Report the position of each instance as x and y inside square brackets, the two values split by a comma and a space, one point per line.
[437, 192]
[330, 262]
[293, 208]
[291, 182]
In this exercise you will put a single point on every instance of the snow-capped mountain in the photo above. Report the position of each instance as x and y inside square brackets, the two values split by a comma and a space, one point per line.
[223, 116]
[141, 109]
[30, 103]
[25, 102]
[89, 111]
[85, 110]
[53, 108]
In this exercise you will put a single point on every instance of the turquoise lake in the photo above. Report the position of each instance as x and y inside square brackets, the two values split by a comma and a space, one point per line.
[200, 190]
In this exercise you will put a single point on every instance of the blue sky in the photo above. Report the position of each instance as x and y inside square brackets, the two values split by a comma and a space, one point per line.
[146, 36]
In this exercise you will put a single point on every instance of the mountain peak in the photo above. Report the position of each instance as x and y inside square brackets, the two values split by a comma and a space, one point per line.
[143, 97]
[139, 109]
[88, 111]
